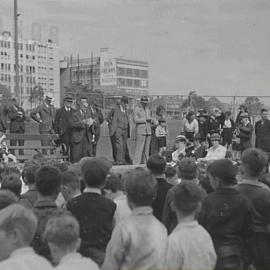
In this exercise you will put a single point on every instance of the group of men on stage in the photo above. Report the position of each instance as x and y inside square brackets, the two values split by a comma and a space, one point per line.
[79, 130]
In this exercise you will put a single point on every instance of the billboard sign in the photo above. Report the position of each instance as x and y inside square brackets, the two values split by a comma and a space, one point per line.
[107, 67]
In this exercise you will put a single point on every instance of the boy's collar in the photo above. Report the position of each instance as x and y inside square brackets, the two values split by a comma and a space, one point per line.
[92, 190]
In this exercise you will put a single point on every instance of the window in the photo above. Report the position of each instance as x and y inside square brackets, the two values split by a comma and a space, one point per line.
[129, 72]
[137, 83]
[129, 82]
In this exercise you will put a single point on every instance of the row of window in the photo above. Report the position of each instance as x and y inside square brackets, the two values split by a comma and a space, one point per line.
[85, 73]
[131, 72]
[4, 54]
[28, 57]
[132, 83]
[5, 66]
[5, 44]
[5, 78]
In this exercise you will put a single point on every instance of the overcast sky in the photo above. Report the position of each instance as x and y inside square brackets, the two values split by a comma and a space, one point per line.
[211, 46]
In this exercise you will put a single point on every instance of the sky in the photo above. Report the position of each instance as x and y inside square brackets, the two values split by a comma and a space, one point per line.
[214, 47]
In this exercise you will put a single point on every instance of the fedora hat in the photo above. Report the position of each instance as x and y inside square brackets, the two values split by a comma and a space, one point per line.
[144, 99]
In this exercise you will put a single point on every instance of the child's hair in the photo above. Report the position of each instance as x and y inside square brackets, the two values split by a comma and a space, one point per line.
[156, 164]
[161, 120]
[140, 186]
[12, 183]
[254, 161]
[113, 183]
[224, 170]
[7, 198]
[18, 217]
[71, 179]
[187, 196]
[187, 169]
[29, 171]
[170, 172]
[62, 230]
[95, 171]
[48, 181]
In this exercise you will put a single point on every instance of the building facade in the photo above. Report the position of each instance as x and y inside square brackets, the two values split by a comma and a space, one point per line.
[38, 66]
[112, 76]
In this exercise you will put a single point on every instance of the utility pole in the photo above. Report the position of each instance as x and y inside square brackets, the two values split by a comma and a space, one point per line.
[78, 69]
[92, 81]
[70, 73]
[16, 49]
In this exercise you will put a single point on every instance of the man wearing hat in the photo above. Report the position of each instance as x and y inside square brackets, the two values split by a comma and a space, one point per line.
[143, 119]
[216, 151]
[245, 132]
[98, 120]
[118, 123]
[17, 117]
[44, 114]
[62, 122]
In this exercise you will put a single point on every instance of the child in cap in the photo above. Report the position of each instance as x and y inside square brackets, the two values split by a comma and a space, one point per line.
[216, 151]
[189, 245]
[161, 134]
[227, 216]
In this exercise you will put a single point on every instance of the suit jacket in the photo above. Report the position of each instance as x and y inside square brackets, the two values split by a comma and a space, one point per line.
[95, 215]
[3, 118]
[115, 120]
[16, 120]
[262, 132]
[99, 119]
[245, 136]
[78, 129]
[139, 116]
[46, 114]
[62, 120]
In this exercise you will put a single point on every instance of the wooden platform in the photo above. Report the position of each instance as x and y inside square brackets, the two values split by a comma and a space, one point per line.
[119, 169]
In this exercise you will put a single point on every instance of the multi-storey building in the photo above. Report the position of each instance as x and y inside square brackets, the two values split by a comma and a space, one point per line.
[113, 76]
[38, 66]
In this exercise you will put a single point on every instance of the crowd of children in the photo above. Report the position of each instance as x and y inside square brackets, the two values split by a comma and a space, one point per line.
[83, 216]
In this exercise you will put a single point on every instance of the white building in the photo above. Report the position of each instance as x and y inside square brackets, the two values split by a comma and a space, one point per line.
[39, 66]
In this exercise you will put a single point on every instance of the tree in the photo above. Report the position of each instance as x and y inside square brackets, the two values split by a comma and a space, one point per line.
[194, 102]
[36, 96]
[253, 105]
[5, 96]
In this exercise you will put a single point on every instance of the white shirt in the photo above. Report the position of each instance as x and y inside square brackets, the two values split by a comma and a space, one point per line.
[227, 124]
[177, 153]
[137, 243]
[160, 131]
[191, 127]
[190, 247]
[215, 153]
[122, 209]
[25, 259]
[75, 261]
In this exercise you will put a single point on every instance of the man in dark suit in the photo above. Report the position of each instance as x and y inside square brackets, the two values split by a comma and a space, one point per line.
[3, 115]
[62, 122]
[119, 129]
[44, 114]
[17, 117]
[98, 120]
[262, 132]
[81, 133]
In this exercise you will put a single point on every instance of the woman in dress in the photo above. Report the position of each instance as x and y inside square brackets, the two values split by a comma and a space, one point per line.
[190, 126]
